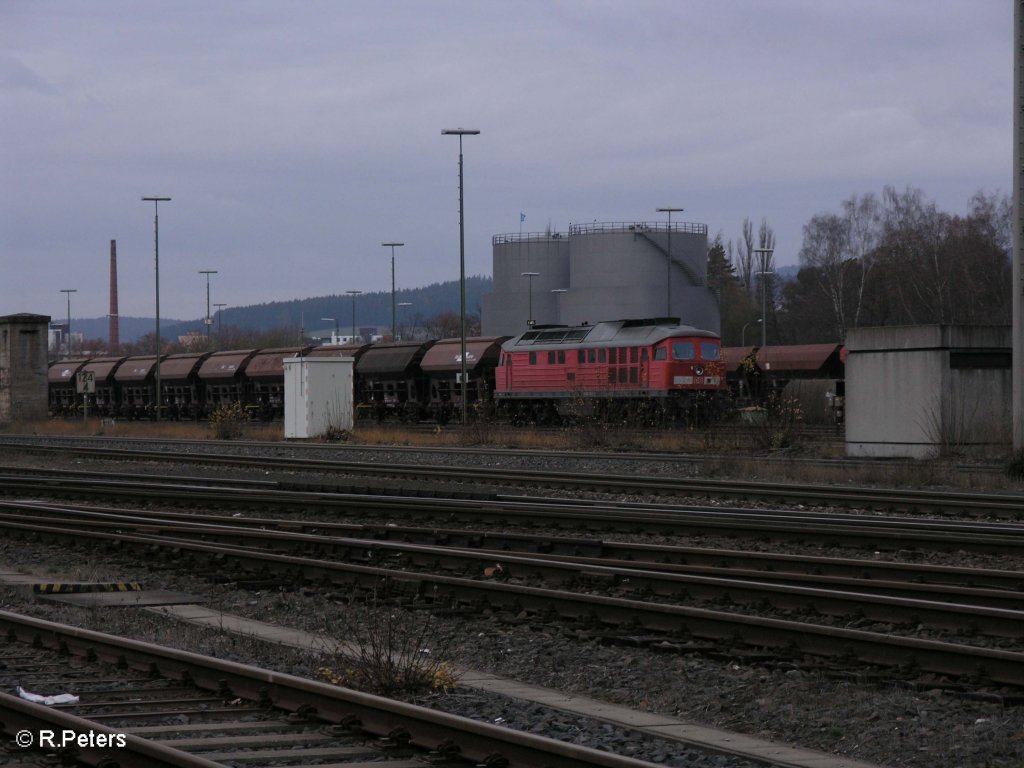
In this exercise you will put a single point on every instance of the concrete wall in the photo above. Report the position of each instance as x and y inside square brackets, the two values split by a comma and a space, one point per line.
[23, 367]
[920, 391]
[602, 272]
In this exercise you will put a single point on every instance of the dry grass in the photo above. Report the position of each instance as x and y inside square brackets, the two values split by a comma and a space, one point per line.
[166, 430]
[742, 455]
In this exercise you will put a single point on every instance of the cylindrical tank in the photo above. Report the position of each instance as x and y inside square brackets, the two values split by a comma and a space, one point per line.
[601, 272]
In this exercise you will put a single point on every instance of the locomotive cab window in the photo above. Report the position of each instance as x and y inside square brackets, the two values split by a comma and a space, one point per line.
[709, 350]
[683, 350]
[661, 353]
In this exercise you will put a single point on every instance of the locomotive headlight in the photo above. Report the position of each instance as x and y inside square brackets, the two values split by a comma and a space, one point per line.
[699, 370]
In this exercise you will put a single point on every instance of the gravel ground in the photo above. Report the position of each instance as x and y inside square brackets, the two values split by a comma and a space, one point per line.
[857, 715]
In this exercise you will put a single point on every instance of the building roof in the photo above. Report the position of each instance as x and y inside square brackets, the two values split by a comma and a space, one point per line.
[25, 318]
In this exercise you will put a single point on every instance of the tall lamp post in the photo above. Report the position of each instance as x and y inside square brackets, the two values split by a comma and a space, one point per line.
[529, 318]
[68, 292]
[394, 311]
[156, 262]
[209, 320]
[220, 322]
[460, 132]
[353, 294]
[335, 321]
[766, 257]
[668, 262]
[404, 304]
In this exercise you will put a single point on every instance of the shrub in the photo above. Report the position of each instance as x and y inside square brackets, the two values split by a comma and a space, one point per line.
[392, 651]
[228, 421]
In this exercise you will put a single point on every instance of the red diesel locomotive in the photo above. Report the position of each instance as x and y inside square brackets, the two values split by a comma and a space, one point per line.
[643, 370]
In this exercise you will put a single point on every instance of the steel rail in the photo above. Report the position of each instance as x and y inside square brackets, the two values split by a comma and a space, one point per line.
[943, 658]
[17, 715]
[624, 554]
[1006, 505]
[475, 741]
[797, 525]
[851, 599]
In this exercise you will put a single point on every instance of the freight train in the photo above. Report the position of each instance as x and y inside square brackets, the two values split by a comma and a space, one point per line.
[638, 369]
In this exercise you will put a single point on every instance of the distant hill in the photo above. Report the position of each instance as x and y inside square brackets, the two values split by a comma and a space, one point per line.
[371, 309]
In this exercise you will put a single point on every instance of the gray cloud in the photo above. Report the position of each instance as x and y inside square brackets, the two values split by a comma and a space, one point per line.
[295, 137]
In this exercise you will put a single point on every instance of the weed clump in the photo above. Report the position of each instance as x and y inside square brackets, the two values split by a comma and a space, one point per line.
[392, 651]
[228, 421]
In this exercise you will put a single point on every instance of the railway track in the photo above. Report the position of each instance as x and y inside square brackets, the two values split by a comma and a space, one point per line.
[146, 706]
[879, 531]
[618, 598]
[288, 458]
[367, 541]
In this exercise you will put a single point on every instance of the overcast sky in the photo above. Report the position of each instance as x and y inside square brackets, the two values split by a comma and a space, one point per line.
[295, 137]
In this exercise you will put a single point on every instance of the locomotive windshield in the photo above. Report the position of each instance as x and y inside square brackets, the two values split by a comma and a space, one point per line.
[683, 350]
[709, 350]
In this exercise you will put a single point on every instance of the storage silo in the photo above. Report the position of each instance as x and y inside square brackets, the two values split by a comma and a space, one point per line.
[527, 269]
[602, 271]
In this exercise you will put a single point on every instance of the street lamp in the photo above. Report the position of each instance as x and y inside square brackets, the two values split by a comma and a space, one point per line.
[460, 132]
[405, 304]
[334, 320]
[529, 317]
[220, 321]
[743, 334]
[209, 320]
[156, 262]
[394, 312]
[69, 291]
[766, 257]
[668, 276]
[353, 294]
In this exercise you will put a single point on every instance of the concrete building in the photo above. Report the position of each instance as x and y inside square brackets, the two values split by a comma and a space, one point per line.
[23, 367]
[600, 272]
[922, 391]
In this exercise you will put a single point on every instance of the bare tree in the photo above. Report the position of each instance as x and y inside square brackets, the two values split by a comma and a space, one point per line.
[823, 251]
[994, 212]
[864, 233]
[912, 238]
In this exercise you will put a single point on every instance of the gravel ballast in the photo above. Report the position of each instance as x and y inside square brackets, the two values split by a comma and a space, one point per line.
[860, 715]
